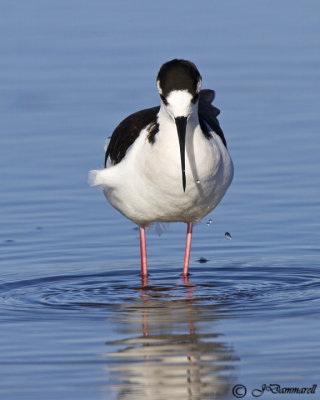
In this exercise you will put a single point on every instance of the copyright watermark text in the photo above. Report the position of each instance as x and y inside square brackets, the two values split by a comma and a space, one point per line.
[240, 391]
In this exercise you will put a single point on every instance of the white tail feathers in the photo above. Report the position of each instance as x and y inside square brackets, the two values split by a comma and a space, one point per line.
[95, 177]
[104, 177]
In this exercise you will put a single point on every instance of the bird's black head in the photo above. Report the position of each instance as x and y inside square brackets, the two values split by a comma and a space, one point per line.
[179, 83]
[178, 75]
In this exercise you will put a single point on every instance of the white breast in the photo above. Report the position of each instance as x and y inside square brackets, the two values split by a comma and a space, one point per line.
[146, 186]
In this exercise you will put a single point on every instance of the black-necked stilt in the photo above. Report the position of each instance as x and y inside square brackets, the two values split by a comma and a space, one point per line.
[151, 150]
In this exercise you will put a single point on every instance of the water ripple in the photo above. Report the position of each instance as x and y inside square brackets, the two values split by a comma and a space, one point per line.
[236, 290]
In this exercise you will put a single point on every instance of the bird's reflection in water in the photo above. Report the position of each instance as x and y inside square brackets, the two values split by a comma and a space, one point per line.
[171, 351]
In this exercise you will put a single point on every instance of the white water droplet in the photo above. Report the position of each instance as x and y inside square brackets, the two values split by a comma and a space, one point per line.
[209, 222]
[198, 181]
[227, 234]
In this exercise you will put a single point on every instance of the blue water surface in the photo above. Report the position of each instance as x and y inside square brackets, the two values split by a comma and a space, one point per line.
[76, 321]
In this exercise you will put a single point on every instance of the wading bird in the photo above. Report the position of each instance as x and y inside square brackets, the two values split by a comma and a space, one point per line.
[168, 163]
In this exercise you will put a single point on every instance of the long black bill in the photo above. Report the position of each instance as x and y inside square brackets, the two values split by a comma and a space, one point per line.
[181, 123]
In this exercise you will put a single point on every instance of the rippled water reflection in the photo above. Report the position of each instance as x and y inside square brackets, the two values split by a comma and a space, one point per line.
[166, 355]
[167, 333]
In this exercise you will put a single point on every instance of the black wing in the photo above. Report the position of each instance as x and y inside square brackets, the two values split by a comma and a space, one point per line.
[127, 132]
[208, 114]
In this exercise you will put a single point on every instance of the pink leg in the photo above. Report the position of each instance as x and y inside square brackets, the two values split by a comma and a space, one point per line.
[143, 252]
[188, 247]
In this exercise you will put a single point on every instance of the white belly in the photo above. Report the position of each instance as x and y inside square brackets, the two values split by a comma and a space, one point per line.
[146, 186]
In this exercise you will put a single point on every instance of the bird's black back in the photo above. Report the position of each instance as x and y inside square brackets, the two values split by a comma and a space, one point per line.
[208, 115]
[127, 132]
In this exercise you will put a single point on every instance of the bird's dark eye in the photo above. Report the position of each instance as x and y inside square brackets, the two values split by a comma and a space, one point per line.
[164, 99]
[195, 98]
